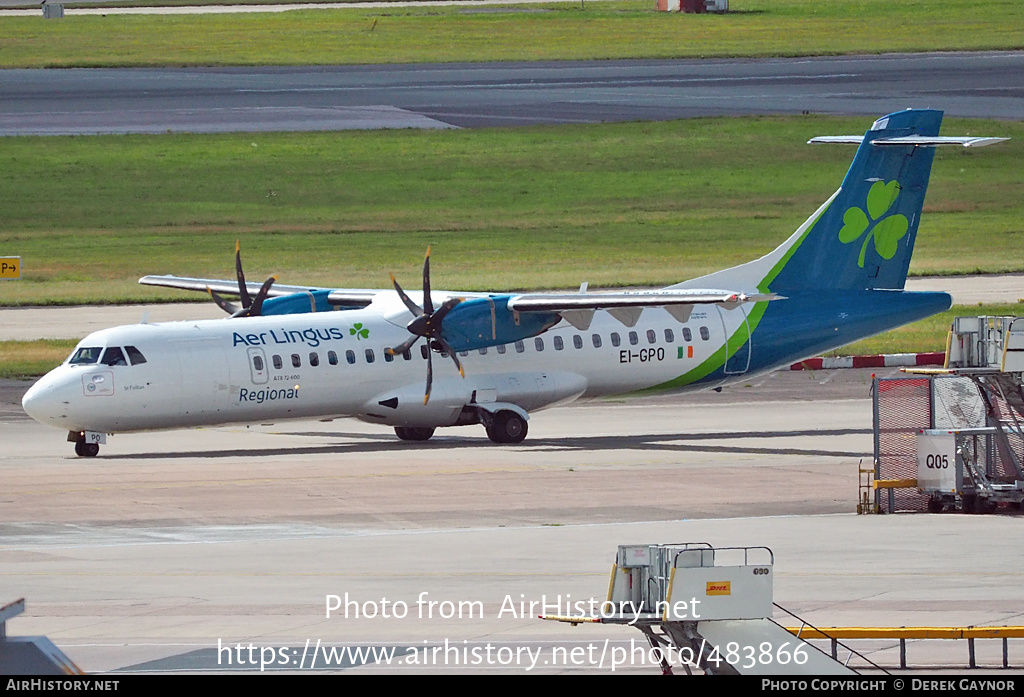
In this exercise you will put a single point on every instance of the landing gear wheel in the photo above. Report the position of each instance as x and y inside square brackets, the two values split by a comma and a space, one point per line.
[411, 433]
[935, 505]
[507, 427]
[83, 449]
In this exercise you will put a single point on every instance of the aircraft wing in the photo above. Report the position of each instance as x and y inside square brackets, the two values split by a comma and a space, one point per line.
[345, 297]
[578, 308]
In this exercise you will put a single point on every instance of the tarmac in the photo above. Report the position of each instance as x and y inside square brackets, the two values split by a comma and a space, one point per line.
[221, 549]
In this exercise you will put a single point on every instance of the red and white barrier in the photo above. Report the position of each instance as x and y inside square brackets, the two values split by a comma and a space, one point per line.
[891, 360]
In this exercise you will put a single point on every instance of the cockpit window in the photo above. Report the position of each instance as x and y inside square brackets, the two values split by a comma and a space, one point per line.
[134, 355]
[86, 355]
[113, 356]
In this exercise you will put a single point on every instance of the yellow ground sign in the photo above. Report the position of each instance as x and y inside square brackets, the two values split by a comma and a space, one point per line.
[10, 267]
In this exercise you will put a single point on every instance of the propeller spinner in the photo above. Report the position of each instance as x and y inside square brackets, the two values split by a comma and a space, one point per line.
[251, 307]
[427, 324]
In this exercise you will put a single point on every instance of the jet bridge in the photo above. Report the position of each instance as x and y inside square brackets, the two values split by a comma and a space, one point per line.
[709, 608]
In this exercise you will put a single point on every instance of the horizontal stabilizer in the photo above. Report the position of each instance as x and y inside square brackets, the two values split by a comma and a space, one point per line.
[922, 141]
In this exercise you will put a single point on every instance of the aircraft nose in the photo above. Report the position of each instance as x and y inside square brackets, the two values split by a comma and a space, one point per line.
[42, 403]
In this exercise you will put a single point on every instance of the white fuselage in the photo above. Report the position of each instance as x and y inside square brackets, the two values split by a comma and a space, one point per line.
[333, 364]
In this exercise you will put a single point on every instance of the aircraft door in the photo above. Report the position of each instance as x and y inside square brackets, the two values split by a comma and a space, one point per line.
[204, 376]
[736, 325]
[258, 366]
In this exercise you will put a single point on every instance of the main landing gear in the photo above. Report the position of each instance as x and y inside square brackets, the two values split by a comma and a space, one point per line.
[506, 427]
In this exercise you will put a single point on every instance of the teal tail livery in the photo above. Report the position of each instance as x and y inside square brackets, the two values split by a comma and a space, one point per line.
[843, 271]
[299, 352]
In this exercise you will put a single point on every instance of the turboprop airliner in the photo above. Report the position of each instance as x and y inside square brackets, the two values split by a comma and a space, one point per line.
[291, 352]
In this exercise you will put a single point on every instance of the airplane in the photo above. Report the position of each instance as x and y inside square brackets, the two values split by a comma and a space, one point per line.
[291, 352]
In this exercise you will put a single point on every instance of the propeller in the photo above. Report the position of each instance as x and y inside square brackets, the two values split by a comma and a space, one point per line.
[251, 307]
[426, 324]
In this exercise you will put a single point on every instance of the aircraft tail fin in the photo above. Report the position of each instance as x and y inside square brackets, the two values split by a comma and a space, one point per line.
[862, 238]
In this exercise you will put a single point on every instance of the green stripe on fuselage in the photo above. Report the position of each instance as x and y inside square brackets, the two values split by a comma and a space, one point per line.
[717, 359]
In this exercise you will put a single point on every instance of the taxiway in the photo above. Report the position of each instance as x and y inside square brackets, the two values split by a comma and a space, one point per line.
[210, 100]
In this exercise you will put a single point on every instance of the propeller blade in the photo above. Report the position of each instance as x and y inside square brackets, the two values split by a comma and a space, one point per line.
[243, 290]
[447, 307]
[257, 304]
[430, 377]
[451, 352]
[403, 347]
[223, 304]
[428, 305]
[415, 309]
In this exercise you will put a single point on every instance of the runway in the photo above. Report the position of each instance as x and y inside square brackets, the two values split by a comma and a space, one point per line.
[168, 547]
[210, 100]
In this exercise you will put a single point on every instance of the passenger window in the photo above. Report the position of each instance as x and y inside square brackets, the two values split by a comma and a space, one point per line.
[407, 355]
[483, 351]
[314, 359]
[296, 361]
[463, 353]
[597, 340]
[670, 336]
[500, 348]
[278, 363]
[704, 333]
[424, 351]
[538, 344]
[350, 356]
[257, 363]
[651, 336]
[332, 358]
[113, 356]
[388, 357]
[135, 355]
[633, 339]
[687, 335]
[616, 339]
[86, 356]
[577, 341]
[369, 355]
[520, 347]
[559, 344]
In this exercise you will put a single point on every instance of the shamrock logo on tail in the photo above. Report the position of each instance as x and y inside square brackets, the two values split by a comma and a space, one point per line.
[887, 231]
[358, 332]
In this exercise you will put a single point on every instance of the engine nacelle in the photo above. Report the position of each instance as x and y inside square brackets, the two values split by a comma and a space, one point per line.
[482, 322]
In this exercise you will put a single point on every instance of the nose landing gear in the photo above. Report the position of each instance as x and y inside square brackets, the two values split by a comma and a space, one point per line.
[87, 443]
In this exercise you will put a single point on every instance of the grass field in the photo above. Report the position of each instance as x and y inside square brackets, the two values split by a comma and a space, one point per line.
[25, 359]
[627, 29]
[547, 207]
